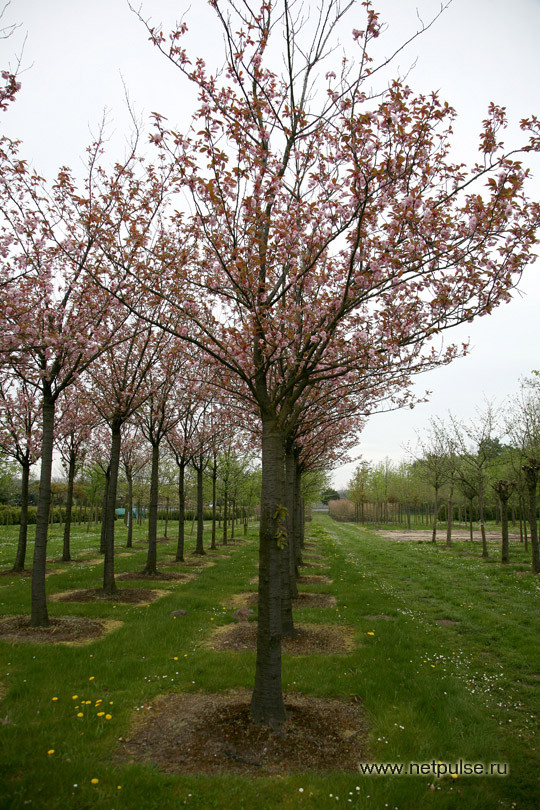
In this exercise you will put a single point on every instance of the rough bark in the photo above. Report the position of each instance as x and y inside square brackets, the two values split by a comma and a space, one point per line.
[66, 550]
[225, 516]
[109, 584]
[129, 541]
[449, 516]
[199, 548]
[39, 615]
[435, 514]
[267, 699]
[214, 495]
[531, 476]
[151, 558]
[20, 557]
[504, 490]
[481, 510]
[181, 512]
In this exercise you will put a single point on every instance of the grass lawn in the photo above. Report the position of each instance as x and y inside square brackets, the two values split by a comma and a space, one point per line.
[447, 665]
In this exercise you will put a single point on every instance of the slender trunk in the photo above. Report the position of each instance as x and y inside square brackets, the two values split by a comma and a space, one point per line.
[435, 513]
[23, 528]
[181, 512]
[39, 615]
[449, 517]
[504, 528]
[166, 517]
[481, 510]
[214, 494]
[151, 558]
[103, 537]
[129, 542]
[66, 551]
[225, 515]
[267, 699]
[233, 513]
[199, 548]
[531, 476]
[109, 585]
[298, 522]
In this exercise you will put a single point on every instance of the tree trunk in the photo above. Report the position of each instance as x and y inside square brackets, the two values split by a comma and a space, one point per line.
[129, 541]
[267, 699]
[66, 551]
[531, 476]
[435, 513]
[481, 510]
[109, 585]
[199, 548]
[225, 516]
[103, 537]
[214, 495]
[166, 517]
[449, 516]
[20, 557]
[151, 558]
[181, 512]
[39, 615]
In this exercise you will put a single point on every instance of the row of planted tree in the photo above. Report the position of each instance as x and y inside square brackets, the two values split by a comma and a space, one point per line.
[475, 471]
[288, 259]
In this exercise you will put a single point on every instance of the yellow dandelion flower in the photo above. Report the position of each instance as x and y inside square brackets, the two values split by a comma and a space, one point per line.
[175, 658]
[94, 781]
[74, 697]
[55, 698]
[370, 633]
[80, 714]
[111, 702]
[119, 787]
[100, 714]
[50, 751]
[91, 678]
[108, 716]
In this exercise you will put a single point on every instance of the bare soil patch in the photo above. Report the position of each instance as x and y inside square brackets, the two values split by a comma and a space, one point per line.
[166, 576]
[304, 600]
[69, 630]
[125, 596]
[419, 535]
[213, 734]
[198, 563]
[446, 622]
[311, 638]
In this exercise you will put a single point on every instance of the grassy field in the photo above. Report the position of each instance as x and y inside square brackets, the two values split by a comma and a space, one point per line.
[447, 665]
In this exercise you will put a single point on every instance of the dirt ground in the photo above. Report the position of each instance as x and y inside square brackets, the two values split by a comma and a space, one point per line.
[72, 630]
[311, 638]
[213, 734]
[417, 536]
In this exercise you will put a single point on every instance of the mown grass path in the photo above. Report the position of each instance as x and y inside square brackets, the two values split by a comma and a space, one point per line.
[447, 664]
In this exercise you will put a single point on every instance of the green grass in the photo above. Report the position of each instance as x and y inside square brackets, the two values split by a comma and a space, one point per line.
[463, 691]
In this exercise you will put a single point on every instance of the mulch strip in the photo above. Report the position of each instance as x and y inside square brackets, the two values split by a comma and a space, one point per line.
[214, 734]
[311, 638]
[314, 579]
[304, 600]
[198, 563]
[166, 576]
[70, 630]
[125, 596]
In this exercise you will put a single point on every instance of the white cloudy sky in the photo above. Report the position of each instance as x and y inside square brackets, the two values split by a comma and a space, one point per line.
[79, 55]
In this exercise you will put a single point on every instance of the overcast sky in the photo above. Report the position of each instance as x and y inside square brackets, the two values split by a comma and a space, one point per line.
[80, 56]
